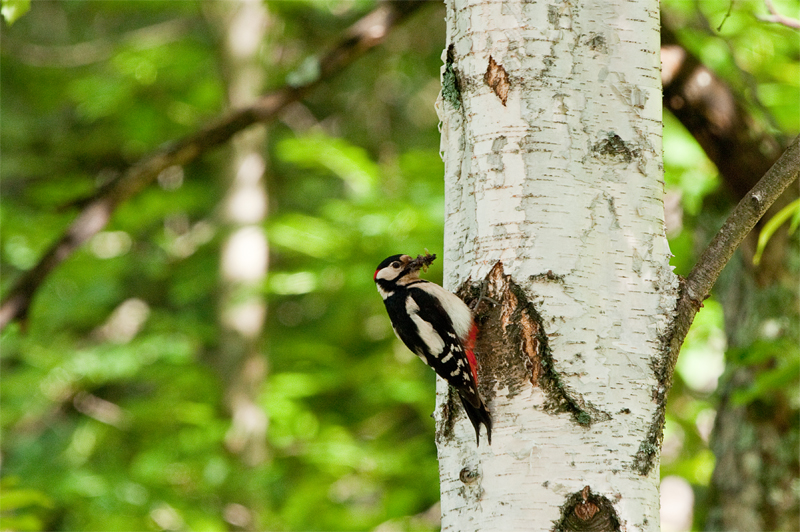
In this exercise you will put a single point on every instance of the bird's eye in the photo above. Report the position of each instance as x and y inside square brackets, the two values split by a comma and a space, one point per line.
[395, 264]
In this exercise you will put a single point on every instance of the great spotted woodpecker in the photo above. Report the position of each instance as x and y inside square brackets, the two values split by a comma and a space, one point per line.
[437, 326]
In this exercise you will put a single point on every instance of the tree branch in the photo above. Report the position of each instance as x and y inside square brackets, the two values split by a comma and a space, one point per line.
[368, 32]
[86, 53]
[778, 18]
[696, 287]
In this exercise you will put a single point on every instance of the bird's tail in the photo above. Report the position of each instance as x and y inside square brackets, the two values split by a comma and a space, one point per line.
[477, 415]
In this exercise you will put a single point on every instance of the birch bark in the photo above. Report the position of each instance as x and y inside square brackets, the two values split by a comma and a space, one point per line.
[551, 136]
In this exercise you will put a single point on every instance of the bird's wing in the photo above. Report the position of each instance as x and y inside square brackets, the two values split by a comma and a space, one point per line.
[448, 356]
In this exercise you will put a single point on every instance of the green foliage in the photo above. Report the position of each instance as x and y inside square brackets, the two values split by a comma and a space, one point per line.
[782, 361]
[20, 508]
[686, 167]
[760, 61]
[702, 358]
[11, 10]
[692, 177]
[790, 213]
[113, 395]
[113, 398]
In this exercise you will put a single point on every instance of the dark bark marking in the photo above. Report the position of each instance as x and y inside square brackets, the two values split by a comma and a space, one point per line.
[444, 431]
[597, 43]
[547, 276]
[585, 511]
[613, 146]
[451, 85]
[468, 475]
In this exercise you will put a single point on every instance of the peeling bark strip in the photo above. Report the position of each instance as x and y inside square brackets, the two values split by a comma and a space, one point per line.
[512, 346]
[497, 78]
[587, 512]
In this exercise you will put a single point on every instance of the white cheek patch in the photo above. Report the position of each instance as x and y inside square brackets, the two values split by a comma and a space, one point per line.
[458, 311]
[425, 329]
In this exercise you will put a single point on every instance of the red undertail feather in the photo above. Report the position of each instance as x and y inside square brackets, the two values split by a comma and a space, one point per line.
[469, 347]
[476, 414]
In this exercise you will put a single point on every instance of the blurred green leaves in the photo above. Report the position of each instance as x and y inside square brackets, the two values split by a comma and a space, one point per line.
[350, 163]
[790, 213]
[99, 96]
[686, 167]
[760, 62]
[758, 59]
[113, 411]
[113, 398]
[308, 235]
[780, 363]
[702, 359]
[21, 508]
[14, 9]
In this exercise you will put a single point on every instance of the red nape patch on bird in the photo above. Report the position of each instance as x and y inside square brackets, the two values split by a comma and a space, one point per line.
[376, 275]
[469, 347]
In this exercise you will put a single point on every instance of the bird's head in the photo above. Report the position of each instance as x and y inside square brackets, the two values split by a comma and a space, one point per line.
[399, 269]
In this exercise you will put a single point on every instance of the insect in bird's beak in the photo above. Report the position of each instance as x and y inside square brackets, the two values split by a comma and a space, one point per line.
[422, 262]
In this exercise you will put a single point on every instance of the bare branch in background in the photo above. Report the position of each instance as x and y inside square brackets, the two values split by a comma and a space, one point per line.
[364, 35]
[696, 287]
[86, 53]
[778, 18]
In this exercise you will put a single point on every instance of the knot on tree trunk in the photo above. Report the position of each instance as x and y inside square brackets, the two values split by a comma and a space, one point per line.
[586, 512]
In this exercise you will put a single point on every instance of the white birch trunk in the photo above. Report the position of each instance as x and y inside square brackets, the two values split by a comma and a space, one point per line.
[551, 136]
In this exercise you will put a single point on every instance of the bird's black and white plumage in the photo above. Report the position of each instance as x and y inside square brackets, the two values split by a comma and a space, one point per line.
[437, 326]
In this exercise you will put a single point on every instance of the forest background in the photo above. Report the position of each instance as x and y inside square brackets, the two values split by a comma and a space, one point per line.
[129, 402]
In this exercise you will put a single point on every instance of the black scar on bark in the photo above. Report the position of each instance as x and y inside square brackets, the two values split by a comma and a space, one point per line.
[614, 147]
[451, 82]
[649, 449]
[585, 511]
